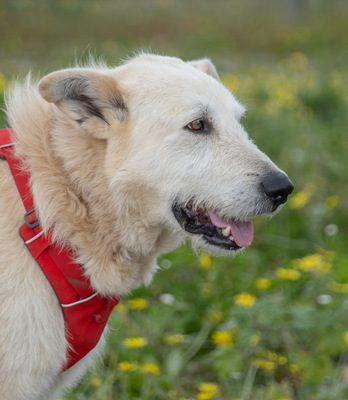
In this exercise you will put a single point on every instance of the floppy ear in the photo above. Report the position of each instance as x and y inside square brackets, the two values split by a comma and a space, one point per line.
[85, 96]
[206, 66]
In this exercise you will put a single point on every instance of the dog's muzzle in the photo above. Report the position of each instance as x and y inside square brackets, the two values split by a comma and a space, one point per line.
[226, 234]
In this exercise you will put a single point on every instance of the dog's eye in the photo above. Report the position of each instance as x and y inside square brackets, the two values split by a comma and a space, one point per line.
[243, 116]
[196, 126]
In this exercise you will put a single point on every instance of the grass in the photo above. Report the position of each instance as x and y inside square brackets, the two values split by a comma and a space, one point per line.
[271, 323]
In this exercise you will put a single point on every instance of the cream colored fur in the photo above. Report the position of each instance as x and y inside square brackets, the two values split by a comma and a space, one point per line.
[109, 155]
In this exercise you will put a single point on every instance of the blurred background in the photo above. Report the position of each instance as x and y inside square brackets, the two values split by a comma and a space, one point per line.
[271, 323]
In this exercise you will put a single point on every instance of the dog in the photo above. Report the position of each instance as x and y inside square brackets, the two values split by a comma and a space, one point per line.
[125, 163]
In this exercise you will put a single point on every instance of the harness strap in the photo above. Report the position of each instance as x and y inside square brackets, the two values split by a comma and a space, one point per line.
[85, 312]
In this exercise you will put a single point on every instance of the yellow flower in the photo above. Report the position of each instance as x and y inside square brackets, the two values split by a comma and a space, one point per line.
[245, 300]
[288, 274]
[122, 308]
[297, 61]
[301, 198]
[282, 360]
[173, 393]
[332, 201]
[204, 396]
[205, 261]
[206, 289]
[216, 316]
[272, 355]
[346, 339]
[207, 390]
[137, 304]
[150, 368]
[135, 342]
[263, 283]
[295, 369]
[338, 287]
[254, 340]
[264, 364]
[96, 381]
[222, 338]
[314, 263]
[231, 81]
[3, 83]
[126, 366]
[174, 340]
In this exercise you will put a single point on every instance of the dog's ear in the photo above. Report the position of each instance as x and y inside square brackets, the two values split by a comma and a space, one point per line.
[206, 66]
[85, 96]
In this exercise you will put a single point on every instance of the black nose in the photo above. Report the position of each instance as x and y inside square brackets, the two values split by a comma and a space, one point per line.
[277, 186]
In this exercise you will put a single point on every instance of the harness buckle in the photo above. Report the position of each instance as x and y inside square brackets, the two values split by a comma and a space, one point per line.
[31, 225]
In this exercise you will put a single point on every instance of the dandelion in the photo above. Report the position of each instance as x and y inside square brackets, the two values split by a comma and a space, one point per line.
[205, 396]
[137, 304]
[297, 61]
[222, 338]
[173, 393]
[282, 360]
[231, 81]
[314, 263]
[338, 287]
[122, 308]
[264, 364]
[245, 300]
[254, 340]
[301, 198]
[150, 368]
[294, 369]
[127, 366]
[3, 83]
[272, 355]
[263, 283]
[167, 299]
[135, 342]
[288, 274]
[96, 381]
[324, 299]
[165, 263]
[174, 340]
[216, 316]
[207, 391]
[331, 230]
[205, 261]
[206, 289]
[332, 201]
[346, 338]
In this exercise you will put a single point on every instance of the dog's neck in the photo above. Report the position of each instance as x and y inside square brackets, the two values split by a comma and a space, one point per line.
[84, 216]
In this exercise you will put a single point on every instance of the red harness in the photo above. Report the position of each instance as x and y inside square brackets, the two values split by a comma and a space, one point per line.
[85, 312]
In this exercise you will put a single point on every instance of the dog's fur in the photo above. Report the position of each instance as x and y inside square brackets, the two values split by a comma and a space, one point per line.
[109, 155]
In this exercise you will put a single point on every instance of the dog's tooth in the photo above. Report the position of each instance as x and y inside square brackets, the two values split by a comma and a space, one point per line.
[231, 238]
[226, 231]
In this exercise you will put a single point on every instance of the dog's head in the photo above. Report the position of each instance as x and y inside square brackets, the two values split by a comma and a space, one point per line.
[175, 145]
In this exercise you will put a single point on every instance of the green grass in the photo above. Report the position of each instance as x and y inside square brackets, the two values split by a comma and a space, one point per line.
[287, 336]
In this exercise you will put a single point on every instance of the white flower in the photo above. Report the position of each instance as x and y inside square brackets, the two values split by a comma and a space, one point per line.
[167, 298]
[324, 299]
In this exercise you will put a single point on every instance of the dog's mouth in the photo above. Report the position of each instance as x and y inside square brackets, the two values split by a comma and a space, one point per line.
[228, 234]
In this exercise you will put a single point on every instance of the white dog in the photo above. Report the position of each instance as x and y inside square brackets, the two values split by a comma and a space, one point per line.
[124, 164]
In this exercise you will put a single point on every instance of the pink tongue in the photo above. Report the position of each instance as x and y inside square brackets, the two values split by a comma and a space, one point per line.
[242, 231]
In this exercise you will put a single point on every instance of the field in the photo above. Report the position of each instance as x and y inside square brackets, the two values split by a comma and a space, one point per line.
[271, 323]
